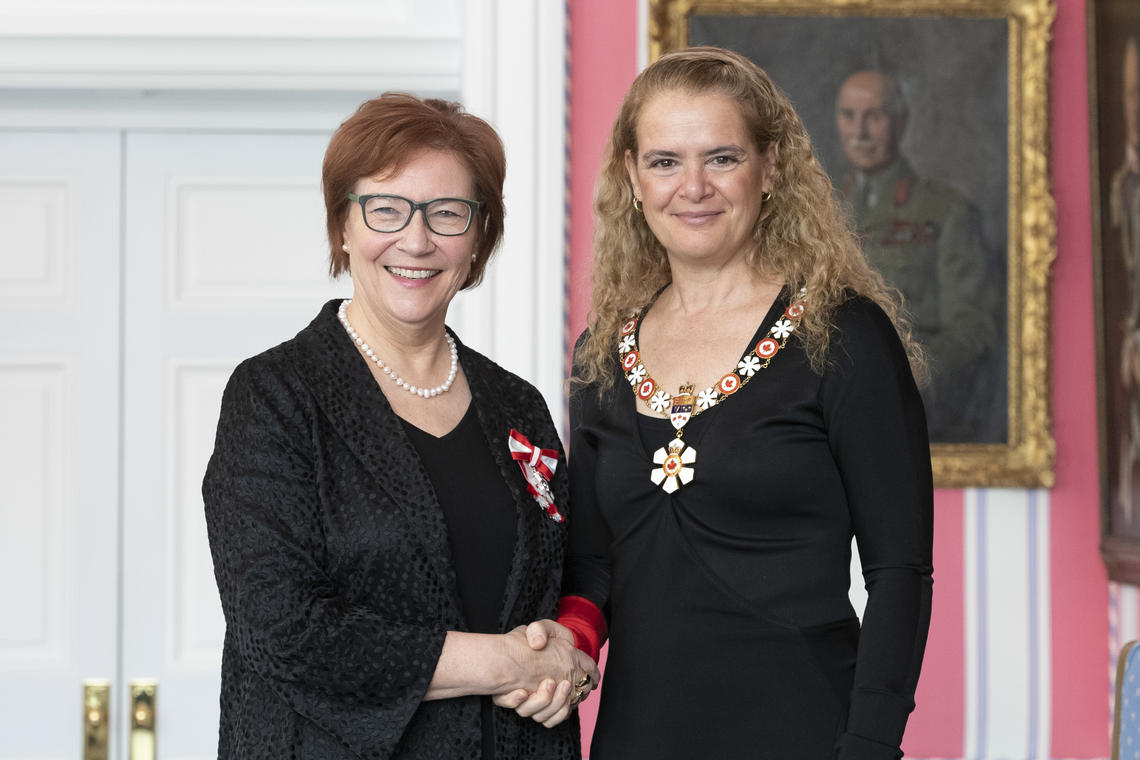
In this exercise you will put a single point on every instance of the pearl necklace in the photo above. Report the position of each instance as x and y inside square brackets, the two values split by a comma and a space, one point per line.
[412, 389]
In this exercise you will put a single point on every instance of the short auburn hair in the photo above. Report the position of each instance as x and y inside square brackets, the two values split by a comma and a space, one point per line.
[384, 134]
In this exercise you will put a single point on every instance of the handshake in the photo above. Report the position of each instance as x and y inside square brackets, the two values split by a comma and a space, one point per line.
[561, 674]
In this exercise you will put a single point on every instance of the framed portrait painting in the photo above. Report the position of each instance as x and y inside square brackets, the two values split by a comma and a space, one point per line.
[931, 117]
[1114, 109]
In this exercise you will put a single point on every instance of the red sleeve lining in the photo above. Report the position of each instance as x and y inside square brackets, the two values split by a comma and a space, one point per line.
[585, 621]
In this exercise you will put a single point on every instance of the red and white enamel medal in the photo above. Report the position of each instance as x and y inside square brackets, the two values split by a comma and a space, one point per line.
[537, 465]
[676, 458]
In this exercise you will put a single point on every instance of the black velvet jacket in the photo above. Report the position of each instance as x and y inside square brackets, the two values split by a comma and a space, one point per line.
[332, 559]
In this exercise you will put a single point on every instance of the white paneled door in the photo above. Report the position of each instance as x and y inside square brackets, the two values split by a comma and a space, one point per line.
[136, 269]
[160, 219]
[225, 256]
[59, 432]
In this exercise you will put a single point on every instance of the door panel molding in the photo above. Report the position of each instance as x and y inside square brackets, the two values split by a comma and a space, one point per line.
[196, 628]
[210, 217]
[33, 216]
[35, 401]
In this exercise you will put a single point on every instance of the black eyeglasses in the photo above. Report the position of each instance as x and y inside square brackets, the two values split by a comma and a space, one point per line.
[392, 213]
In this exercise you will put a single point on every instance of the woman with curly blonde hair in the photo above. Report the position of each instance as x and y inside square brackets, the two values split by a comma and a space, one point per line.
[742, 407]
[801, 235]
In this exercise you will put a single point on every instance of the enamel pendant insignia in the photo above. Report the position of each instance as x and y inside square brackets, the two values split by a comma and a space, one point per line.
[674, 470]
[682, 409]
[540, 490]
[676, 459]
[674, 462]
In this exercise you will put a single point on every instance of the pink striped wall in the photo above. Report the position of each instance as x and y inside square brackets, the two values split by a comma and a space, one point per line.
[1079, 585]
[603, 63]
[935, 730]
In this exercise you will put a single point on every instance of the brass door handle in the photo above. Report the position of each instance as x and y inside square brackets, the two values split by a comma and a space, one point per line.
[96, 719]
[143, 720]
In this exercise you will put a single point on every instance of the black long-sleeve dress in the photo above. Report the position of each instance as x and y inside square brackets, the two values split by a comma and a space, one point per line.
[731, 632]
[333, 561]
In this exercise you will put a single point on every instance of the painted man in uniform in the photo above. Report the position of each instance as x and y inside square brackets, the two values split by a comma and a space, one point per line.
[1124, 210]
[926, 240]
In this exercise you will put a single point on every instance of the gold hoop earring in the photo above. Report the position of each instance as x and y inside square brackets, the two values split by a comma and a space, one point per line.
[637, 205]
[765, 197]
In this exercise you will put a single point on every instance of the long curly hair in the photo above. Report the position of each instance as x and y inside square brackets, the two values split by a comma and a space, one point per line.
[801, 235]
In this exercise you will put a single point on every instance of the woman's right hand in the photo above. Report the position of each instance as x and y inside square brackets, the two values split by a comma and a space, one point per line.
[556, 694]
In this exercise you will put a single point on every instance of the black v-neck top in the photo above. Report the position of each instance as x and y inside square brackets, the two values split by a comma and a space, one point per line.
[480, 515]
[731, 633]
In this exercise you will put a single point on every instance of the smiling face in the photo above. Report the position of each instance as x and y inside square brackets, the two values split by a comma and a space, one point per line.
[699, 176]
[869, 127]
[406, 280]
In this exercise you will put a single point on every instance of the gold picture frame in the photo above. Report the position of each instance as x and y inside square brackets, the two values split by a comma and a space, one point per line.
[1114, 130]
[802, 44]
